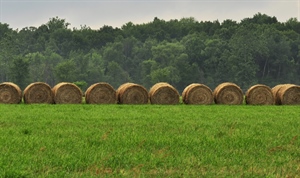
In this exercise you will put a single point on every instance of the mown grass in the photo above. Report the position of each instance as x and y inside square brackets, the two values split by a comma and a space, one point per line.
[149, 141]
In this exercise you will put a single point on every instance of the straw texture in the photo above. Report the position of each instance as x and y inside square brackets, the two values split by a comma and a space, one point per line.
[101, 93]
[38, 92]
[10, 93]
[259, 95]
[67, 93]
[197, 93]
[228, 93]
[131, 93]
[163, 93]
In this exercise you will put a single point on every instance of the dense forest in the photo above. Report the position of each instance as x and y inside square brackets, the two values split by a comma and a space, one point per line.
[255, 50]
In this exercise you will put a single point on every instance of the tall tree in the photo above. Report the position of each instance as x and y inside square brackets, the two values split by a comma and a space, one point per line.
[66, 71]
[19, 71]
[7, 51]
[36, 66]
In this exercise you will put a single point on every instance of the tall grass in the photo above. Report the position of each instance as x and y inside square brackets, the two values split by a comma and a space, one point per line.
[149, 141]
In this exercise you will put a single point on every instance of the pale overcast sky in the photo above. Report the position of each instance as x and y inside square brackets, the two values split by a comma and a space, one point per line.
[96, 13]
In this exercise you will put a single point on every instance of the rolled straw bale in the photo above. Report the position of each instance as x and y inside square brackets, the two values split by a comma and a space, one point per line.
[163, 93]
[197, 93]
[10, 93]
[228, 93]
[260, 95]
[101, 93]
[67, 93]
[287, 94]
[131, 93]
[275, 92]
[38, 92]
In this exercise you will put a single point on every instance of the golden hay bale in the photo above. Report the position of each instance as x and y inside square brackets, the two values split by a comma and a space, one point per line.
[67, 93]
[228, 93]
[287, 94]
[197, 93]
[38, 92]
[260, 95]
[101, 93]
[275, 91]
[163, 93]
[131, 93]
[10, 93]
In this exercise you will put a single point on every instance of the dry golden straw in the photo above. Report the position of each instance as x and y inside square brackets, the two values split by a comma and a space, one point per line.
[228, 93]
[260, 95]
[287, 94]
[101, 93]
[163, 93]
[131, 93]
[10, 93]
[197, 93]
[38, 92]
[67, 93]
[274, 91]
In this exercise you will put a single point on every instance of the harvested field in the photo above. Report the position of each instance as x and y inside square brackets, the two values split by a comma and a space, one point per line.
[149, 141]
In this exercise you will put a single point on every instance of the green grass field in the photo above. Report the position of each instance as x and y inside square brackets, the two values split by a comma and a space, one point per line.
[149, 141]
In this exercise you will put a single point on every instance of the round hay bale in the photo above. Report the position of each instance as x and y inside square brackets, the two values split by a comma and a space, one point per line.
[10, 93]
[131, 93]
[38, 92]
[228, 93]
[67, 93]
[163, 93]
[197, 93]
[101, 93]
[275, 93]
[260, 95]
[288, 94]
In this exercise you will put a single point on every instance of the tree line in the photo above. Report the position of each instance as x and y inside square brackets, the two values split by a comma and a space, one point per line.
[255, 50]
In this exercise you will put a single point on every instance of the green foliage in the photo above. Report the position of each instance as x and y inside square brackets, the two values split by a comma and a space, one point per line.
[116, 74]
[19, 71]
[65, 71]
[167, 74]
[259, 49]
[56, 23]
[36, 66]
[81, 84]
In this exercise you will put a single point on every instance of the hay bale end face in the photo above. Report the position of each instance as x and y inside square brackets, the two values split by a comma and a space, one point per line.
[259, 95]
[67, 93]
[10, 93]
[197, 93]
[38, 92]
[131, 93]
[275, 93]
[228, 93]
[163, 93]
[101, 93]
[287, 94]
